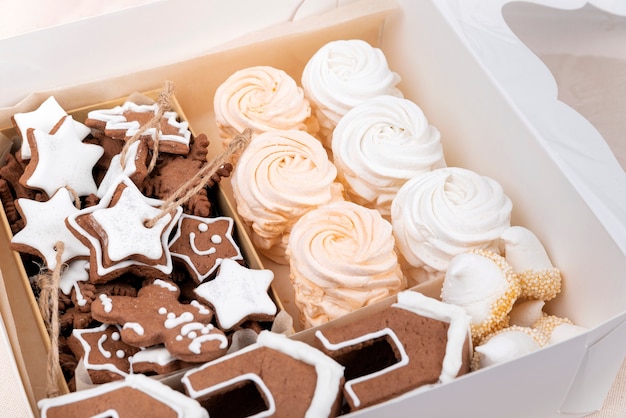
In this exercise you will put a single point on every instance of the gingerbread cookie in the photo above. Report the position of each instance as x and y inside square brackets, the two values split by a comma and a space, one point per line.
[238, 294]
[276, 376]
[119, 240]
[155, 360]
[417, 341]
[44, 118]
[105, 356]
[150, 398]
[122, 122]
[202, 243]
[45, 226]
[134, 167]
[53, 162]
[156, 316]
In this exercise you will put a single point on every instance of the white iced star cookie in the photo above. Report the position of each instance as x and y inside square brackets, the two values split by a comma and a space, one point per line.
[117, 170]
[44, 118]
[61, 159]
[118, 239]
[45, 226]
[238, 294]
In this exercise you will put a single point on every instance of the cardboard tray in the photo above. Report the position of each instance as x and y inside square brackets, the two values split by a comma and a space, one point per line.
[482, 130]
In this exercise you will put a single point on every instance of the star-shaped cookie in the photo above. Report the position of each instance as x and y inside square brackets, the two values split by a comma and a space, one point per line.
[61, 159]
[44, 118]
[202, 244]
[118, 238]
[45, 226]
[238, 294]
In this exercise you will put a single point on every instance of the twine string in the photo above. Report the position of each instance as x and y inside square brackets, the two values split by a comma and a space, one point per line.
[193, 186]
[164, 102]
[49, 306]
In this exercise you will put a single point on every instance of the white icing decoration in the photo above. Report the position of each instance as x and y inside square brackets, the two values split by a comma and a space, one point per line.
[237, 292]
[120, 353]
[75, 272]
[192, 243]
[182, 405]
[135, 327]
[78, 333]
[173, 321]
[45, 226]
[156, 354]
[216, 239]
[166, 285]
[107, 303]
[201, 308]
[115, 336]
[404, 358]
[203, 227]
[105, 353]
[162, 310]
[115, 170]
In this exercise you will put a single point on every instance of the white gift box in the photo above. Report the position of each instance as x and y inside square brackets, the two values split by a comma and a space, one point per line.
[464, 63]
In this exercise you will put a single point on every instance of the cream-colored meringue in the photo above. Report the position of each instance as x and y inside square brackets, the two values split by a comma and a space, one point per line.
[523, 250]
[507, 345]
[526, 313]
[342, 74]
[564, 332]
[445, 212]
[380, 144]
[341, 258]
[261, 98]
[280, 176]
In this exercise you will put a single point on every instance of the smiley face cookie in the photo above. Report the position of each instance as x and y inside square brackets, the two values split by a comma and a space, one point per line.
[202, 243]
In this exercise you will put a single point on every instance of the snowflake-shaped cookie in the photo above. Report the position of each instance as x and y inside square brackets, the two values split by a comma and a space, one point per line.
[238, 294]
[118, 238]
[61, 159]
[202, 244]
[122, 122]
[45, 226]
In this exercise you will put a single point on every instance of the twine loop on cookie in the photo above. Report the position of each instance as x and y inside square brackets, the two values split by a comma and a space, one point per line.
[164, 102]
[48, 284]
[202, 177]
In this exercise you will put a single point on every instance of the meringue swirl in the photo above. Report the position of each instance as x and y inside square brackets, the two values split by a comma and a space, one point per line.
[341, 258]
[380, 144]
[446, 212]
[280, 176]
[342, 74]
[261, 98]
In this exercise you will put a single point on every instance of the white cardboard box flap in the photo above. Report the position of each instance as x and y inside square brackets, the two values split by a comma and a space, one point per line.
[572, 141]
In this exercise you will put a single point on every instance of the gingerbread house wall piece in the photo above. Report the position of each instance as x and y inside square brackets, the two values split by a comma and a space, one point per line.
[415, 342]
[264, 370]
[150, 398]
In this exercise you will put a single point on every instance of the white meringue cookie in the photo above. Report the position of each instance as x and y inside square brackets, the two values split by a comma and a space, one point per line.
[523, 250]
[505, 346]
[526, 313]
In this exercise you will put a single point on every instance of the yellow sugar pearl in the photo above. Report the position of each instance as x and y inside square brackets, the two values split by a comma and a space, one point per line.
[540, 285]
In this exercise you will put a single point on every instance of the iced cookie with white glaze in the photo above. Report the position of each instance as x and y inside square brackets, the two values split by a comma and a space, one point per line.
[124, 121]
[119, 238]
[44, 118]
[341, 258]
[443, 213]
[54, 164]
[275, 376]
[155, 316]
[380, 144]
[238, 294]
[279, 177]
[203, 243]
[149, 398]
[416, 342]
[261, 98]
[343, 74]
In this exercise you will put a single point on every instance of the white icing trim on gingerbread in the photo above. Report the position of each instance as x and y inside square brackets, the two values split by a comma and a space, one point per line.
[155, 355]
[78, 333]
[115, 120]
[44, 118]
[329, 372]
[129, 245]
[181, 404]
[385, 332]
[75, 272]
[203, 227]
[136, 327]
[107, 302]
[165, 285]
[458, 329]
[237, 292]
[115, 170]
[203, 310]
[45, 226]
[172, 321]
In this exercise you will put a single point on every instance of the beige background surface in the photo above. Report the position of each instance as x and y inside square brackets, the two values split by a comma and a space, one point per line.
[29, 15]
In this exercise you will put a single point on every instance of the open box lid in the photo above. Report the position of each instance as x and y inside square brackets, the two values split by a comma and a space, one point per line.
[495, 31]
